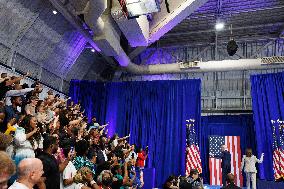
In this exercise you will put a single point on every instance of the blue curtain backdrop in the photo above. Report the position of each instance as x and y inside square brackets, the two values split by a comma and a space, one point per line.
[267, 101]
[153, 112]
[224, 125]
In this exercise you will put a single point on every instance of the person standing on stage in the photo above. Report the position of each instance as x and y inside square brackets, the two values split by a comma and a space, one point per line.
[249, 162]
[226, 163]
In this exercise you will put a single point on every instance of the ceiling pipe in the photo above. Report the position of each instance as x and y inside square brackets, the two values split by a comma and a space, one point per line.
[210, 66]
[94, 10]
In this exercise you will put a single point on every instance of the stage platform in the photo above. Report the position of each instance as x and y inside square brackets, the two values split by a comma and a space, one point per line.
[261, 184]
[213, 187]
[149, 179]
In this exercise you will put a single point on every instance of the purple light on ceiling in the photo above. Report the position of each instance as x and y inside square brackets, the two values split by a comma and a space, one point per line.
[161, 56]
[65, 53]
[76, 44]
[123, 59]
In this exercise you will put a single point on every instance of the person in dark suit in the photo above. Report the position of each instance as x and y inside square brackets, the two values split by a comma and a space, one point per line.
[184, 184]
[231, 182]
[226, 163]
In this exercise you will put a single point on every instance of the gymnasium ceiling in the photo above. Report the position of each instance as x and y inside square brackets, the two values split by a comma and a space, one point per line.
[32, 37]
[250, 20]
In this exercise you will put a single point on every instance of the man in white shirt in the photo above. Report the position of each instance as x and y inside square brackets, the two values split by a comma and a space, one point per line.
[69, 171]
[30, 171]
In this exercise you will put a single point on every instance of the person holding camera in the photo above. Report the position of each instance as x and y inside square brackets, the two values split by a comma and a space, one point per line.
[172, 183]
[226, 162]
[194, 179]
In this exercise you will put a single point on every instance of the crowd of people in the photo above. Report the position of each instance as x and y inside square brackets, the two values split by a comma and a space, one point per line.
[49, 144]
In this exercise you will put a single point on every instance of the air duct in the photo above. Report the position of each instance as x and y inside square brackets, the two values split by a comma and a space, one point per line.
[93, 12]
[97, 16]
[135, 30]
[224, 65]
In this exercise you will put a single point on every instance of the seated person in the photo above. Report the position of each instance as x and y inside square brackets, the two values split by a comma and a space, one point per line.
[230, 182]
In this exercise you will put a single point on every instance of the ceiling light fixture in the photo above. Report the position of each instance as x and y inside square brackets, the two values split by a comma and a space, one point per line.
[93, 50]
[219, 26]
[54, 12]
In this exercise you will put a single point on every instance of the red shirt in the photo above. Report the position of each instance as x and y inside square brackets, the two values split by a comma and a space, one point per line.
[141, 159]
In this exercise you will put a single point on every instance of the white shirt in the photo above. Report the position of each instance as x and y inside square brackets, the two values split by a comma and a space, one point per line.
[16, 93]
[68, 173]
[17, 185]
[23, 146]
[79, 186]
[249, 163]
[130, 156]
[114, 143]
[104, 153]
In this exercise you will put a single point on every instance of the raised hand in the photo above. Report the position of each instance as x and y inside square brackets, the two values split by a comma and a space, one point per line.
[27, 74]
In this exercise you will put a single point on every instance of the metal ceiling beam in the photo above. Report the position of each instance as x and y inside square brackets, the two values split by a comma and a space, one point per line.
[185, 43]
[260, 49]
[196, 16]
[136, 52]
[225, 29]
[15, 43]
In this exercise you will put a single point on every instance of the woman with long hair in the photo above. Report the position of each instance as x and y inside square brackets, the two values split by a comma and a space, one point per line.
[248, 163]
[27, 139]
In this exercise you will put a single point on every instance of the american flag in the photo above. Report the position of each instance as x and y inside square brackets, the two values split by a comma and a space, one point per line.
[278, 148]
[233, 145]
[193, 160]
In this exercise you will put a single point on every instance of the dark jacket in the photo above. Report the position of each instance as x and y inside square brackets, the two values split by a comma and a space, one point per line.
[184, 184]
[226, 160]
[51, 171]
